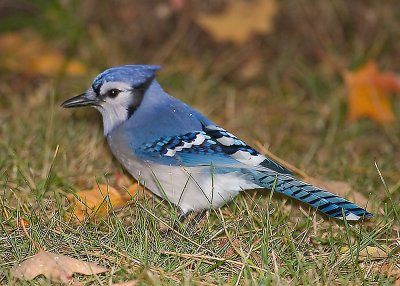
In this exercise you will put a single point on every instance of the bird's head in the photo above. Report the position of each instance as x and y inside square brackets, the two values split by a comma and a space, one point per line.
[116, 93]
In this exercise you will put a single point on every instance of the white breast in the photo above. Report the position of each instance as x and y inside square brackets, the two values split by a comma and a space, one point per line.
[191, 188]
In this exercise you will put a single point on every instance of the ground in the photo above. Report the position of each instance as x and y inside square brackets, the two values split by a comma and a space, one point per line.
[284, 89]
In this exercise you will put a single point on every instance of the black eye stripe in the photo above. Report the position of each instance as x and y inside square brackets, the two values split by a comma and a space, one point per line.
[139, 92]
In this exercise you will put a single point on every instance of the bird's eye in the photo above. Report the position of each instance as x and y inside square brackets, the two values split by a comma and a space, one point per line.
[113, 92]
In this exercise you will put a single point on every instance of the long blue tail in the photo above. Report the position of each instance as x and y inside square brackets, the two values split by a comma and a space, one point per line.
[324, 201]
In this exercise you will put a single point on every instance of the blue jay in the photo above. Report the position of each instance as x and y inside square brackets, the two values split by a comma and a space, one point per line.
[182, 156]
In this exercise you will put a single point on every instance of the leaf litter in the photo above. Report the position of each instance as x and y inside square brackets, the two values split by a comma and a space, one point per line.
[56, 267]
[101, 199]
[97, 201]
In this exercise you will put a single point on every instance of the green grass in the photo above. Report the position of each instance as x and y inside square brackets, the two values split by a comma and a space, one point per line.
[295, 106]
[305, 245]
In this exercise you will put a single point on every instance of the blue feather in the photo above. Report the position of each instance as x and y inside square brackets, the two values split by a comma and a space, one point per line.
[134, 74]
[326, 202]
[149, 129]
[211, 150]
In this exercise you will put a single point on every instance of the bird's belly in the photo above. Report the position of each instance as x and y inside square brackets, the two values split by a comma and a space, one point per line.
[191, 188]
[196, 188]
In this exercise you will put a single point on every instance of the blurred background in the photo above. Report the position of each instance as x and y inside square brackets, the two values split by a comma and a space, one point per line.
[314, 82]
[273, 71]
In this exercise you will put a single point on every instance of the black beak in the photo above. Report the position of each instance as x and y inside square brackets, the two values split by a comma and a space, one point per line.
[77, 101]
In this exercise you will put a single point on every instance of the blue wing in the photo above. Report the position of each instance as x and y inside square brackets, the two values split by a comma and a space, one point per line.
[211, 145]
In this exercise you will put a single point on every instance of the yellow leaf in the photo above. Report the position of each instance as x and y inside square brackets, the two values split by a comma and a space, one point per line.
[344, 249]
[240, 20]
[32, 56]
[97, 200]
[374, 253]
[367, 93]
[370, 252]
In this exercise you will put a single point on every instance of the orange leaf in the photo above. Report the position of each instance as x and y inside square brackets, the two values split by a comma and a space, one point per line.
[22, 221]
[367, 93]
[97, 200]
[123, 181]
[240, 20]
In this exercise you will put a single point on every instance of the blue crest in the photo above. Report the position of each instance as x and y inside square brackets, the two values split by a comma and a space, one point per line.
[134, 74]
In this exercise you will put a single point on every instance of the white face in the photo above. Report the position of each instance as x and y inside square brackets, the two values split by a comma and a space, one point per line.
[115, 99]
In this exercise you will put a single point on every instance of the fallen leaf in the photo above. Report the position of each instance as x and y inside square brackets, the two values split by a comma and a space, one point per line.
[132, 189]
[371, 252]
[230, 250]
[374, 253]
[33, 56]
[344, 249]
[367, 93]
[122, 180]
[97, 201]
[24, 221]
[56, 267]
[240, 20]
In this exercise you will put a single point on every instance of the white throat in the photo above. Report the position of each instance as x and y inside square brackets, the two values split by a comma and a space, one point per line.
[112, 117]
[115, 110]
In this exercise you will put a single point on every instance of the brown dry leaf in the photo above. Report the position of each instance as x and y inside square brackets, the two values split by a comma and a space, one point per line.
[371, 252]
[374, 253]
[56, 267]
[240, 20]
[237, 244]
[367, 93]
[338, 188]
[230, 251]
[97, 200]
[32, 56]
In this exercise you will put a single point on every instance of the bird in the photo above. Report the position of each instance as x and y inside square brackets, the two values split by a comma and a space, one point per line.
[182, 156]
